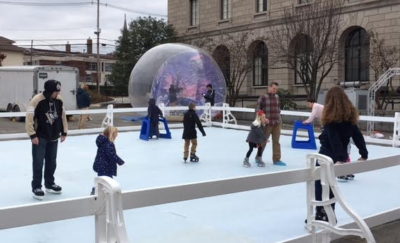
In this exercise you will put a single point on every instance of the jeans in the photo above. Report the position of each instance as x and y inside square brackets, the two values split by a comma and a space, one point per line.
[45, 151]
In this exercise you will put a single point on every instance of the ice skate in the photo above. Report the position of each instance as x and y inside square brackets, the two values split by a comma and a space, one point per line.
[246, 163]
[184, 160]
[38, 193]
[194, 158]
[260, 162]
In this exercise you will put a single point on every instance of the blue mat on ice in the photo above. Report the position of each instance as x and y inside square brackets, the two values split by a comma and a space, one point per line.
[133, 118]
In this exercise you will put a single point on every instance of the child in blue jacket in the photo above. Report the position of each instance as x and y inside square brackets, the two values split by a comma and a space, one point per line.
[105, 163]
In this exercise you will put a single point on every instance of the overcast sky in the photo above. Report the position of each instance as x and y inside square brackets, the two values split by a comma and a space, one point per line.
[71, 20]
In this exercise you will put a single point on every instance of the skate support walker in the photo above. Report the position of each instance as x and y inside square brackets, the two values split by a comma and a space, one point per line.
[145, 132]
[109, 219]
[308, 144]
[109, 119]
[328, 182]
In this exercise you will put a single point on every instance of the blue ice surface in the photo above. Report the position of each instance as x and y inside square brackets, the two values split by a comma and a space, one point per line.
[259, 216]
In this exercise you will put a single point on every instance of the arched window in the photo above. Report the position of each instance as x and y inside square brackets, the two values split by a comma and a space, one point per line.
[302, 63]
[357, 56]
[260, 65]
[222, 56]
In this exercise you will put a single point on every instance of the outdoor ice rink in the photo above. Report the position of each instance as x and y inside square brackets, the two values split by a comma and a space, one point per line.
[260, 216]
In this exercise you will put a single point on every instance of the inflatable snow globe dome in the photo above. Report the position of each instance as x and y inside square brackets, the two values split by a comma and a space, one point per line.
[175, 75]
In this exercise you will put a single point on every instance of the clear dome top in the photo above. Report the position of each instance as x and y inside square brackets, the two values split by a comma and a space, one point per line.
[175, 75]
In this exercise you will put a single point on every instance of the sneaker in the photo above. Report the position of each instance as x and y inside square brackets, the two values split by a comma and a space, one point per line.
[38, 193]
[246, 163]
[280, 163]
[55, 189]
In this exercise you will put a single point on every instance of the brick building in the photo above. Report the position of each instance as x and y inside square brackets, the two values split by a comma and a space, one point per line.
[85, 62]
[198, 19]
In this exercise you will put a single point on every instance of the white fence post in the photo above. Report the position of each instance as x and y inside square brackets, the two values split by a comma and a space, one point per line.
[109, 119]
[206, 116]
[227, 116]
[109, 219]
[396, 129]
[328, 182]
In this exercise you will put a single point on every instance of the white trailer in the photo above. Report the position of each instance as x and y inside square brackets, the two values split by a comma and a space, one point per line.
[18, 84]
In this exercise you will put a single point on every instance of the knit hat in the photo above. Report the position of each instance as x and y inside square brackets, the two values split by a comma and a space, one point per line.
[51, 86]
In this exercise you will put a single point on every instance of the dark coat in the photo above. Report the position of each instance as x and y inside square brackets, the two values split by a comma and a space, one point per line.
[190, 119]
[105, 163]
[153, 112]
[336, 136]
[83, 99]
[210, 96]
[256, 135]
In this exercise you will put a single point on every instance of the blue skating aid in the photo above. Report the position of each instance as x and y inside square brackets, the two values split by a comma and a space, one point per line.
[307, 144]
[145, 129]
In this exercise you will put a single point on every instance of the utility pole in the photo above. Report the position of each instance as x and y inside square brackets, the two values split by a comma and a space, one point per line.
[97, 32]
[31, 52]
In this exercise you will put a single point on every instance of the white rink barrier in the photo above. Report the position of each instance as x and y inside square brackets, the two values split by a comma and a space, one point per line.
[227, 120]
[108, 204]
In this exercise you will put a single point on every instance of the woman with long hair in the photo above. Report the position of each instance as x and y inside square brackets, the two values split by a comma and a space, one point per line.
[339, 120]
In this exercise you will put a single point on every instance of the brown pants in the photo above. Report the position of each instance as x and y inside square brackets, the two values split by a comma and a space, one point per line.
[275, 131]
[186, 148]
[83, 118]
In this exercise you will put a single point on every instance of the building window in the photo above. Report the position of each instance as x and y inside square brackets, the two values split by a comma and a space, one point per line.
[260, 63]
[357, 56]
[108, 67]
[225, 9]
[92, 66]
[261, 6]
[194, 12]
[303, 1]
[89, 78]
[222, 56]
[302, 61]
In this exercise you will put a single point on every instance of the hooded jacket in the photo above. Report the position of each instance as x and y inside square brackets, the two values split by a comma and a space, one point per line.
[105, 163]
[45, 117]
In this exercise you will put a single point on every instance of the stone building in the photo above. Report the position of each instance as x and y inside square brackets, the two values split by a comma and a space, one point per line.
[196, 20]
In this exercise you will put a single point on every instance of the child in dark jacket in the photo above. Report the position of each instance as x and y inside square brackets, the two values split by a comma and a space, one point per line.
[190, 120]
[105, 163]
[339, 119]
[154, 113]
[256, 139]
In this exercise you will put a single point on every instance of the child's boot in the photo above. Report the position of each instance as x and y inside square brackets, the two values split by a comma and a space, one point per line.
[259, 162]
[246, 163]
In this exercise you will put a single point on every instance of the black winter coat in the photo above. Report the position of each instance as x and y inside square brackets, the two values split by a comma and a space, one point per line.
[83, 99]
[105, 163]
[210, 96]
[256, 135]
[190, 119]
[336, 136]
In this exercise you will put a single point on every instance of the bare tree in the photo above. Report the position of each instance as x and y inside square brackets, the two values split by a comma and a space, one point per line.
[306, 41]
[382, 58]
[232, 59]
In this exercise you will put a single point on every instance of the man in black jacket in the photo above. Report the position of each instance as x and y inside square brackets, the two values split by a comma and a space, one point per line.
[209, 96]
[45, 123]
[190, 120]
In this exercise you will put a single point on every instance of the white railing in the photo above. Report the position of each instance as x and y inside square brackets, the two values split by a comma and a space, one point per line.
[107, 206]
[109, 202]
[228, 118]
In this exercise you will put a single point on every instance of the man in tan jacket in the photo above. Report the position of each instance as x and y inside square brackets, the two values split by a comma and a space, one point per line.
[45, 123]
